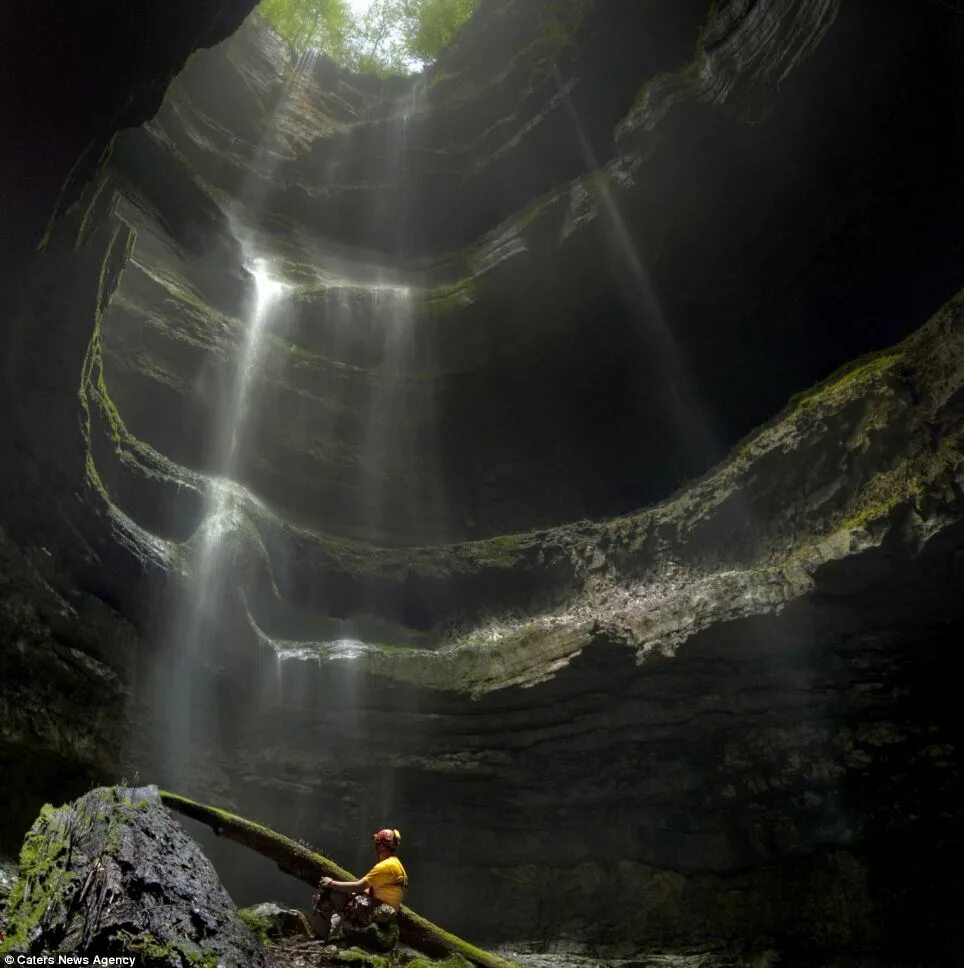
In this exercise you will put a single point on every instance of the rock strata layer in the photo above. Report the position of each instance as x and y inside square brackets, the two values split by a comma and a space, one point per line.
[742, 726]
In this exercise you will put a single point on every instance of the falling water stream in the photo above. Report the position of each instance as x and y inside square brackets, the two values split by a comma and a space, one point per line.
[197, 615]
[391, 477]
[388, 434]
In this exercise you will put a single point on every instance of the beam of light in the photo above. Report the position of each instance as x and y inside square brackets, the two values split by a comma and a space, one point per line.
[690, 418]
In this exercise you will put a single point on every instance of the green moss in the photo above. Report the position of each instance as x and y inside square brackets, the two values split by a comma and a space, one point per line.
[259, 925]
[447, 299]
[847, 377]
[503, 550]
[94, 396]
[47, 883]
[152, 951]
[441, 77]
[468, 951]
[219, 819]
[907, 483]
[44, 879]
[73, 177]
[355, 956]
[509, 540]
[454, 961]
[825, 395]
[396, 649]
[92, 385]
[534, 209]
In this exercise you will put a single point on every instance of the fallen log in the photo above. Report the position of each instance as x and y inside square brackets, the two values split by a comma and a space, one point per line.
[306, 865]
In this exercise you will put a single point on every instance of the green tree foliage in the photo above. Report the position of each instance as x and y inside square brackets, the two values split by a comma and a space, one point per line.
[325, 24]
[393, 36]
[379, 41]
[434, 25]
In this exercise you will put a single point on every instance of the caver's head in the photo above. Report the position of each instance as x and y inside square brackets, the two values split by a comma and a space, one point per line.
[387, 842]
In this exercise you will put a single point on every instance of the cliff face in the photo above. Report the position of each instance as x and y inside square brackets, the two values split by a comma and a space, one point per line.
[736, 720]
[544, 343]
[628, 301]
[554, 278]
[71, 79]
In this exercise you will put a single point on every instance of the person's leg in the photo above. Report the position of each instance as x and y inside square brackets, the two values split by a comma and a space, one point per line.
[382, 933]
[327, 907]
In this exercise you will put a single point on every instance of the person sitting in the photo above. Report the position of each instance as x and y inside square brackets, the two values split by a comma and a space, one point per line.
[366, 911]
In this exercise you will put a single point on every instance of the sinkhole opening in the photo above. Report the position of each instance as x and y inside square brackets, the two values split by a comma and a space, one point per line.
[371, 36]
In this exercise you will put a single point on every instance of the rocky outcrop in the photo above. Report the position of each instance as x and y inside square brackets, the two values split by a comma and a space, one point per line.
[871, 455]
[64, 660]
[73, 79]
[602, 351]
[85, 77]
[272, 923]
[529, 360]
[113, 875]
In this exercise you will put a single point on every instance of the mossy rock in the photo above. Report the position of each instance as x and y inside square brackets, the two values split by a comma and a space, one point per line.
[114, 874]
[270, 922]
[356, 958]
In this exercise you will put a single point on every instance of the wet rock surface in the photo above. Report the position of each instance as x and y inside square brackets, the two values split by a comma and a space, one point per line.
[62, 691]
[494, 449]
[273, 922]
[735, 730]
[112, 874]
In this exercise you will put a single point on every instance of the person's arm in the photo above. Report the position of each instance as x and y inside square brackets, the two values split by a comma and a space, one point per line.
[344, 887]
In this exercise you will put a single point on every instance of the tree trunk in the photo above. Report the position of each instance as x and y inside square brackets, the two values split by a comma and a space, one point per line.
[298, 861]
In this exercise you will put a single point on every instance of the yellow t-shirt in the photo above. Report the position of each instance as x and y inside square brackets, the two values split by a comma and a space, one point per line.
[388, 881]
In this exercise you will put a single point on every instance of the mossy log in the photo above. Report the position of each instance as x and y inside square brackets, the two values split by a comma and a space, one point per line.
[301, 862]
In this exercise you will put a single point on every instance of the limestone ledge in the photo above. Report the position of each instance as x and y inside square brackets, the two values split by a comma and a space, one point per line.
[869, 458]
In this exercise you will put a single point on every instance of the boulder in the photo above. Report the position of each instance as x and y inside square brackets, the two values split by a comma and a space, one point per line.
[272, 922]
[112, 874]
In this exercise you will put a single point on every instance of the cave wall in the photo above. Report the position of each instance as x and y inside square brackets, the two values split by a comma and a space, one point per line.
[633, 237]
[741, 733]
[73, 76]
[577, 312]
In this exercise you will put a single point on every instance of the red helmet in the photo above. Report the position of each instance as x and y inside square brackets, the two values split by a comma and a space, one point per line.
[387, 838]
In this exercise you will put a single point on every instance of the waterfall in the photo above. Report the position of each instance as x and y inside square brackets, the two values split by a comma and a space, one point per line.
[369, 306]
[198, 614]
[397, 465]
[390, 440]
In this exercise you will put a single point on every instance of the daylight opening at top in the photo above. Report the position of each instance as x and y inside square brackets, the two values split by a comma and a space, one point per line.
[371, 36]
